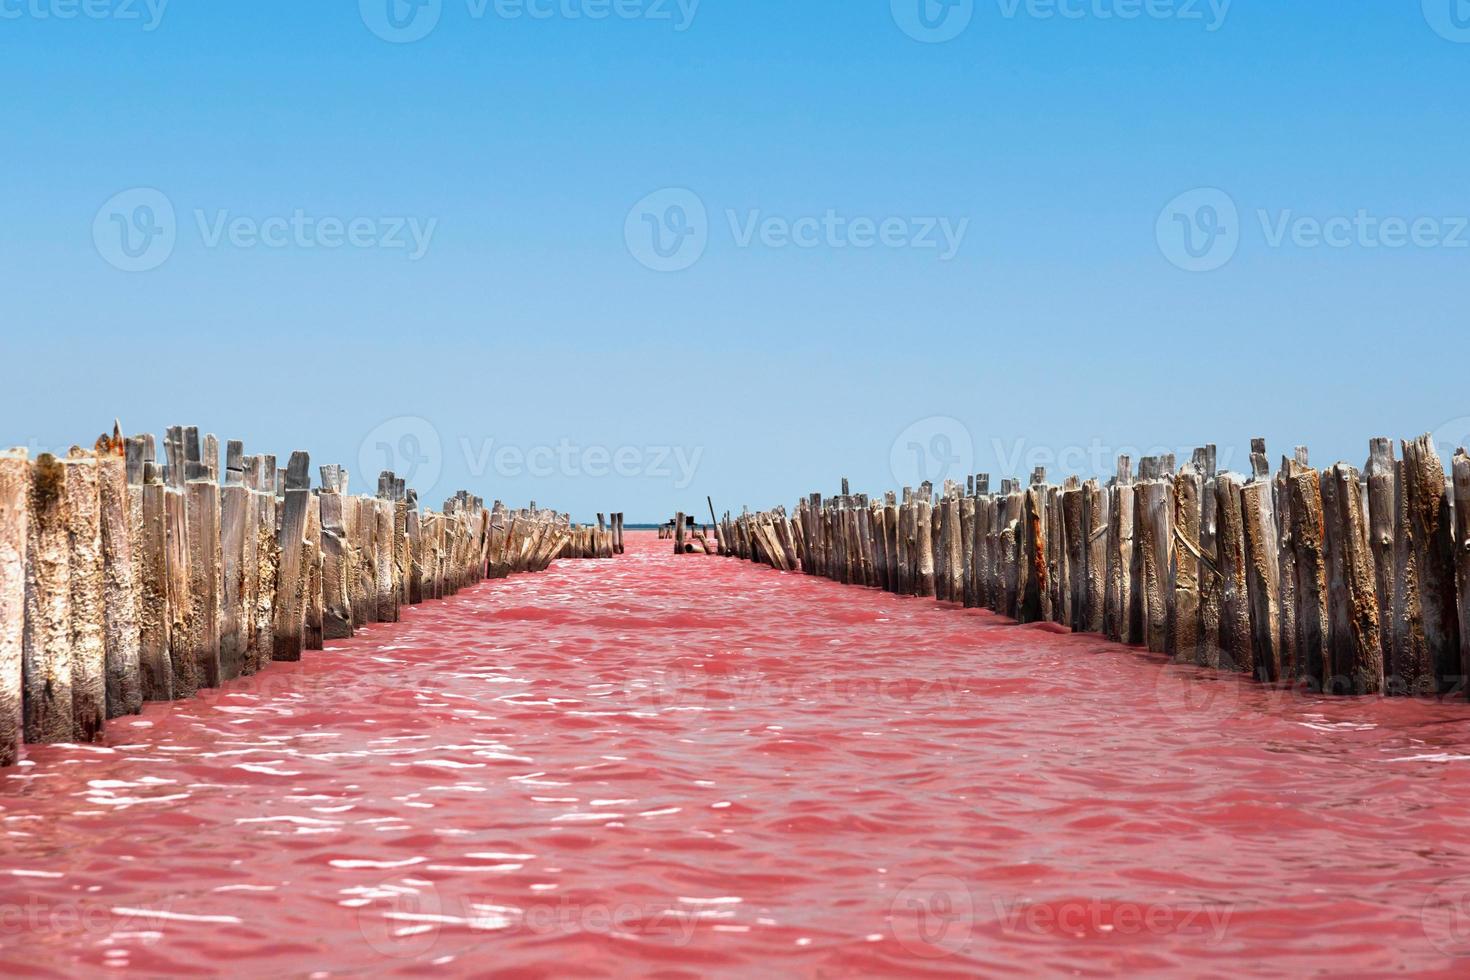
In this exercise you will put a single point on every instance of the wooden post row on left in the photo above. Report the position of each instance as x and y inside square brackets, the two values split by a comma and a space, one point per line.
[126, 579]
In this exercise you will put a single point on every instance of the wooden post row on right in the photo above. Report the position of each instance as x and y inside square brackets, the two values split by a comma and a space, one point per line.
[1340, 581]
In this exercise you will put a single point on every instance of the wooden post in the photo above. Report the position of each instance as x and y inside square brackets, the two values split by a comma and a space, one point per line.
[1187, 514]
[954, 555]
[679, 533]
[1353, 638]
[15, 482]
[1262, 578]
[1286, 570]
[1461, 545]
[236, 511]
[47, 650]
[1117, 624]
[923, 534]
[1236, 652]
[88, 634]
[262, 482]
[312, 637]
[288, 630]
[1313, 665]
[1033, 596]
[122, 633]
[336, 559]
[155, 664]
[1154, 545]
[1382, 477]
[1074, 533]
[1431, 536]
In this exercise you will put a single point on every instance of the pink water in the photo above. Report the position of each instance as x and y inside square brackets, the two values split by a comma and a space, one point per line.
[698, 766]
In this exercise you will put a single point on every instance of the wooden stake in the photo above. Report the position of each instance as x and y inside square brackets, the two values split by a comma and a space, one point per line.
[88, 634]
[1353, 639]
[122, 632]
[1263, 583]
[289, 627]
[47, 650]
[15, 484]
[1236, 652]
[1431, 535]
[1313, 665]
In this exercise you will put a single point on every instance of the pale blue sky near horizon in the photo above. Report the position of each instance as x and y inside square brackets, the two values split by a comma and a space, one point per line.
[1202, 222]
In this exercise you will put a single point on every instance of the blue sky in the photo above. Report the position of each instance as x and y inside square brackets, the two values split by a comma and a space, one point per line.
[800, 162]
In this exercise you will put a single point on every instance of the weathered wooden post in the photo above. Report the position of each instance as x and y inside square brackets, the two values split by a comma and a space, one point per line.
[336, 560]
[679, 533]
[15, 484]
[1154, 544]
[288, 630]
[1381, 474]
[1431, 536]
[1074, 535]
[1461, 545]
[88, 642]
[202, 511]
[1313, 664]
[122, 634]
[1187, 514]
[1286, 568]
[155, 664]
[312, 637]
[262, 483]
[1262, 578]
[236, 513]
[47, 650]
[1236, 652]
[1353, 638]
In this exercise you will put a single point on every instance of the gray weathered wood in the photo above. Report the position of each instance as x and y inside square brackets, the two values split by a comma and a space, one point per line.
[88, 632]
[122, 632]
[15, 483]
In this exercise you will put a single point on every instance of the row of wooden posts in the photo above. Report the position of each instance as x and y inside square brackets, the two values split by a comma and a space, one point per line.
[1334, 581]
[688, 537]
[125, 580]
